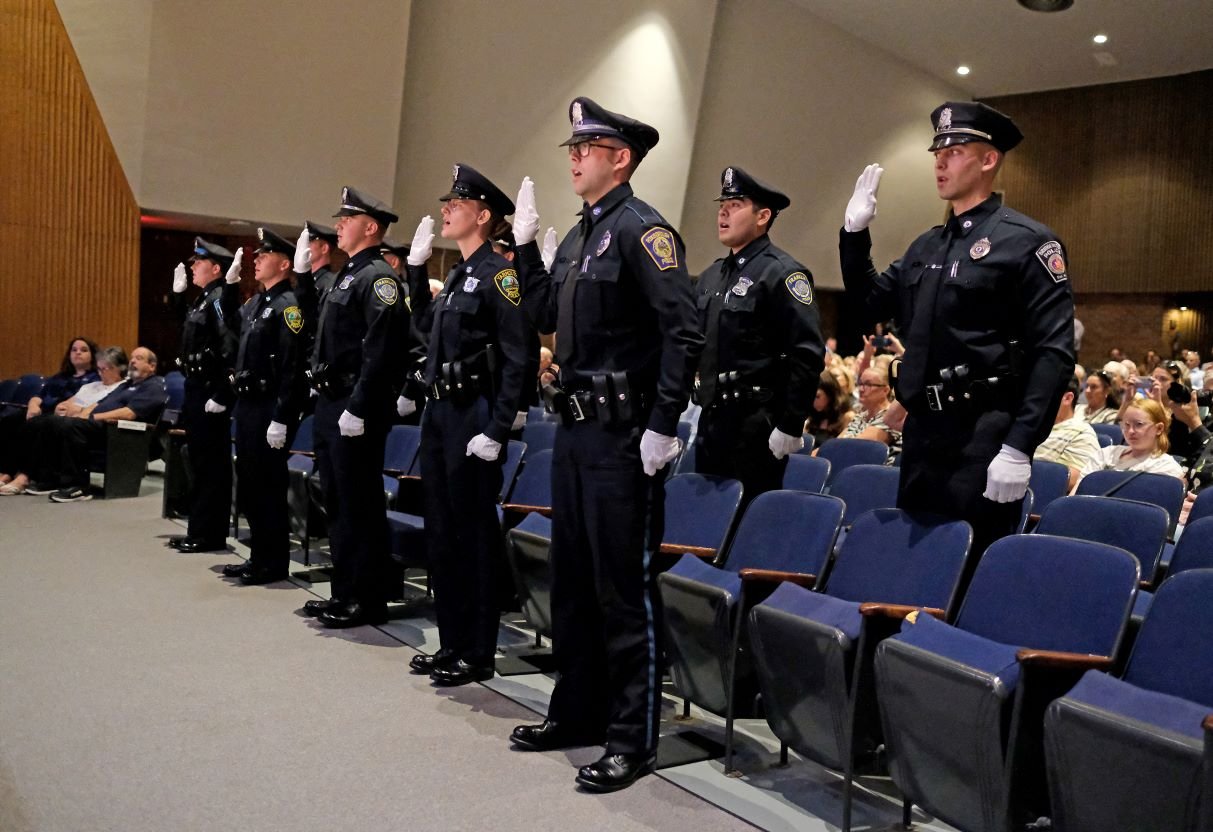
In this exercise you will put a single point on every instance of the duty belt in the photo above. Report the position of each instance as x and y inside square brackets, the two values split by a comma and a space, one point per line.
[734, 387]
[608, 398]
[202, 363]
[323, 379]
[248, 383]
[465, 380]
[958, 389]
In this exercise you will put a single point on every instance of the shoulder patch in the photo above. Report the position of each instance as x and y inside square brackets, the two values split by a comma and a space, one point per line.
[293, 316]
[659, 243]
[386, 289]
[1053, 260]
[507, 283]
[799, 287]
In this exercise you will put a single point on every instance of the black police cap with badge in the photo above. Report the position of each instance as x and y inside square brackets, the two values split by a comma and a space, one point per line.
[275, 243]
[392, 247]
[354, 203]
[960, 122]
[592, 121]
[735, 183]
[316, 231]
[204, 250]
[469, 183]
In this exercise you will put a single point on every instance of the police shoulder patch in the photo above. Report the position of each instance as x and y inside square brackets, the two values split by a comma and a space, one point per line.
[659, 243]
[387, 290]
[293, 316]
[1053, 260]
[507, 283]
[799, 287]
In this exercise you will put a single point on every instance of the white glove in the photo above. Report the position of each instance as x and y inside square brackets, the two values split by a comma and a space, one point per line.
[303, 254]
[549, 249]
[657, 450]
[233, 271]
[526, 218]
[1008, 475]
[275, 435]
[483, 447]
[862, 206]
[179, 281]
[405, 406]
[423, 242]
[213, 406]
[781, 444]
[350, 425]
[519, 420]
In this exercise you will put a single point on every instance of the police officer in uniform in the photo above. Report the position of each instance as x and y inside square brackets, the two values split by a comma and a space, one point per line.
[268, 383]
[984, 306]
[759, 369]
[356, 371]
[313, 264]
[475, 371]
[208, 352]
[626, 343]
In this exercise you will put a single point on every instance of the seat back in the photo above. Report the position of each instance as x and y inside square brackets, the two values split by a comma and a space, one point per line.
[895, 557]
[866, 487]
[1202, 508]
[1159, 489]
[514, 452]
[789, 531]
[1173, 653]
[1104, 440]
[1195, 547]
[700, 510]
[401, 448]
[27, 387]
[806, 473]
[1051, 593]
[1138, 528]
[809, 442]
[533, 486]
[1049, 481]
[1111, 432]
[539, 435]
[304, 441]
[174, 385]
[843, 453]
[7, 387]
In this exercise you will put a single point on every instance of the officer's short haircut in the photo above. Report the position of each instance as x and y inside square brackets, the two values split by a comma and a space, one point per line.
[115, 357]
[758, 206]
[1072, 387]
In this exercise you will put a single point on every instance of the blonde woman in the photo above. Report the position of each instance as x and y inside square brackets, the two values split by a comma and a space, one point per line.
[1145, 426]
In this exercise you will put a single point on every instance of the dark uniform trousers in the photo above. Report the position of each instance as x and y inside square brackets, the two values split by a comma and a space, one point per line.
[209, 451]
[606, 521]
[262, 482]
[352, 469]
[60, 448]
[732, 441]
[462, 530]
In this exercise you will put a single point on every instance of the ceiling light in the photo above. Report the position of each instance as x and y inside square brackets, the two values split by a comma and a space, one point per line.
[1100, 38]
[1183, 309]
[962, 70]
[1046, 5]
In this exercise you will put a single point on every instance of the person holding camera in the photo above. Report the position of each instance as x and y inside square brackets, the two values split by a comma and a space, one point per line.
[1186, 433]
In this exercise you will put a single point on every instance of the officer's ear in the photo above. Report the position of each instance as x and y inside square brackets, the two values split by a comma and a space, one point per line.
[764, 216]
[625, 162]
[373, 228]
[991, 160]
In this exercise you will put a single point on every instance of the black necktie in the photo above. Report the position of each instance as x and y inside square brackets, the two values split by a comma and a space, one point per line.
[912, 376]
[434, 357]
[565, 335]
[709, 362]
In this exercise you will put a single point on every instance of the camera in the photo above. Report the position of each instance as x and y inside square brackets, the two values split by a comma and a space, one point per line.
[1180, 394]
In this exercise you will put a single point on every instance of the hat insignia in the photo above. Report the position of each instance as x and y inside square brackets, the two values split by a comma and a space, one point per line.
[261, 234]
[945, 120]
[455, 172]
[345, 194]
[728, 177]
[577, 118]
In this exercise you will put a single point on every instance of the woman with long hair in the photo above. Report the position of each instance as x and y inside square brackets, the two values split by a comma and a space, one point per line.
[1145, 425]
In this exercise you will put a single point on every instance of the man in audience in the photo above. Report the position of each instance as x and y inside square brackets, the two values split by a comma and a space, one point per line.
[1196, 376]
[1072, 441]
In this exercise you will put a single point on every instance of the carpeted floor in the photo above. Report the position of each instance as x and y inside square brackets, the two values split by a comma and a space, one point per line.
[139, 690]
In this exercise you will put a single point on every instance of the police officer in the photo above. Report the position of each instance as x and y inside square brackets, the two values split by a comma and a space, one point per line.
[475, 371]
[313, 263]
[626, 343]
[268, 383]
[984, 306]
[355, 371]
[208, 351]
[759, 369]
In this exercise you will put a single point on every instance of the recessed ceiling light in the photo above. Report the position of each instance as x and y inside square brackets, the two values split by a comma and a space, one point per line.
[1183, 309]
[1100, 38]
[962, 70]
[1046, 5]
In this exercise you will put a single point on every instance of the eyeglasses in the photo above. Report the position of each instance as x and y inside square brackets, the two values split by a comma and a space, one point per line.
[1174, 368]
[1136, 426]
[582, 149]
[870, 384]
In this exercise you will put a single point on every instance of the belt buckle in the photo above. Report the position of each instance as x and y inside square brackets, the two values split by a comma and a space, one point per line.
[935, 397]
[575, 408]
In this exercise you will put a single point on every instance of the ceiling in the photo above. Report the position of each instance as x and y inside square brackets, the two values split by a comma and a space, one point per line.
[1012, 50]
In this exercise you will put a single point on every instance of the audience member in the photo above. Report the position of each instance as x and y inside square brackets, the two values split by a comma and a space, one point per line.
[1103, 402]
[1145, 424]
[875, 396]
[1151, 361]
[831, 411]
[1072, 441]
[1196, 375]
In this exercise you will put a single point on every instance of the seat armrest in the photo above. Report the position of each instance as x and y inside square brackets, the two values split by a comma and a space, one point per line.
[518, 508]
[1061, 660]
[1208, 723]
[677, 549]
[176, 432]
[897, 611]
[775, 576]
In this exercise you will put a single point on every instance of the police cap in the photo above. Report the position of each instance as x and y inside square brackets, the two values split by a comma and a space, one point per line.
[591, 121]
[960, 122]
[204, 250]
[469, 183]
[354, 203]
[735, 183]
[321, 232]
[273, 242]
[392, 247]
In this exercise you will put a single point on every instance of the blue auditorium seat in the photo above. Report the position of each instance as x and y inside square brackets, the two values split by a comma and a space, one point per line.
[843, 453]
[1138, 528]
[806, 473]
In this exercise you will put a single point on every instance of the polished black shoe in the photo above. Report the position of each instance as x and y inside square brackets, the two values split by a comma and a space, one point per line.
[615, 771]
[198, 544]
[236, 570]
[175, 541]
[352, 614]
[259, 575]
[461, 673]
[312, 609]
[549, 736]
[421, 663]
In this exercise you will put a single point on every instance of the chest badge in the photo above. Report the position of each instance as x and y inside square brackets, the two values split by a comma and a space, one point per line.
[265, 313]
[980, 248]
[346, 281]
[743, 286]
[603, 243]
[470, 284]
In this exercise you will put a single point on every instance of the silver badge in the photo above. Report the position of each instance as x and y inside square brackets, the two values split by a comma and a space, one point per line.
[468, 270]
[945, 120]
[743, 286]
[597, 210]
[455, 172]
[577, 114]
[603, 243]
[345, 283]
[728, 177]
[470, 284]
[980, 248]
[345, 194]
[269, 310]
[261, 234]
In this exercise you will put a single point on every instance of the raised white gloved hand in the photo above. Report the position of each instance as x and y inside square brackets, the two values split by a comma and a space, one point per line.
[519, 420]
[862, 207]
[405, 406]
[303, 253]
[213, 406]
[526, 218]
[350, 425]
[233, 271]
[483, 447]
[1008, 475]
[657, 450]
[179, 281]
[550, 244]
[423, 242]
[275, 435]
[781, 444]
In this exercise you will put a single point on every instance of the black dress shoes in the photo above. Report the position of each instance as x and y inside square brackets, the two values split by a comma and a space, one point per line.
[460, 673]
[549, 736]
[616, 771]
[175, 541]
[258, 575]
[312, 609]
[422, 663]
[237, 570]
[352, 614]
[197, 544]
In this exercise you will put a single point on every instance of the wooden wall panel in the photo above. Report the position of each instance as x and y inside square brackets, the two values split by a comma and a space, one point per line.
[1121, 173]
[69, 224]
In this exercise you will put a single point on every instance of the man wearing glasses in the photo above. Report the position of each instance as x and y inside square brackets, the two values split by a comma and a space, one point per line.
[620, 302]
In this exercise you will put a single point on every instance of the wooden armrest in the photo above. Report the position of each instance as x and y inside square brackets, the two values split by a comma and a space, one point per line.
[393, 472]
[677, 549]
[176, 431]
[774, 576]
[518, 508]
[1208, 723]
[898, 611]
[303, 453]
[1061, 660]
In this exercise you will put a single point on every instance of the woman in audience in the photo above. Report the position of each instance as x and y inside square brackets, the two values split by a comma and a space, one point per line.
[875, 396]
[831, 411]
[1102, 402]
[1145, 426]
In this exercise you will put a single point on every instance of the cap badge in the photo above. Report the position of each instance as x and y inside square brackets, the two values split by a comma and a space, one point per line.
[728, 177]
[603, 243]
[743, 286]
[945, 120]
[261, 234]
[470, 284]
[455, 172]
[980, 248]
[345, 194]
[577, 118]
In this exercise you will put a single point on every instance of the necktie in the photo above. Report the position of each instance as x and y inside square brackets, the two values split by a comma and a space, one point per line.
[913, 373]
[709, 363]
[433, 358]
[565, 336]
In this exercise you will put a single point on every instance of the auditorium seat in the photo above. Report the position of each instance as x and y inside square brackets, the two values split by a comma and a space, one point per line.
[539, 435]
[1193, 551]
[1111, 432]
[806, 473]
[1138, 528]
[865, 487]
[1159, 489]
[528, 549]
[1049, 480]
[843, 453]
[699, 514]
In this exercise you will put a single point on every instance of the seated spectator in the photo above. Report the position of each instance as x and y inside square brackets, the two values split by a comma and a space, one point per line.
[1151, 361]
[1115, 354]
[1072, 441]
[875, 396]
[1196, 376]
[1188, 433]
[62, 444]
[1145, 424]
[111, 367]
[1103, 405]
[547, 368]
[831, 411]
